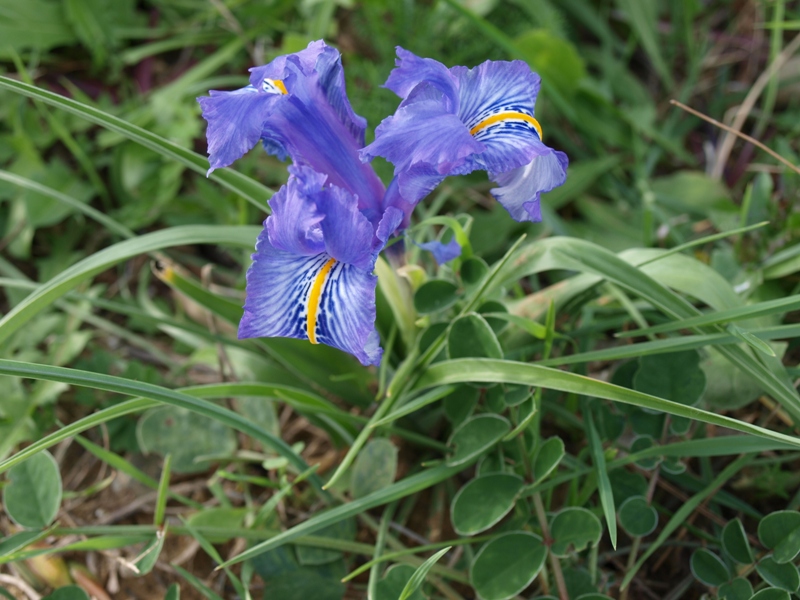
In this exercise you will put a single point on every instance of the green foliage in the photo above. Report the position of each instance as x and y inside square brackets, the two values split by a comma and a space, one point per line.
[591, 372]
[507, 564]
[374, 469]
[484, 501]
[32, 496]
[637, 517]
[573, 529]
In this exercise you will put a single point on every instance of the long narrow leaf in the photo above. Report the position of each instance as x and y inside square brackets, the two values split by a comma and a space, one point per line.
[579, 255]
[487, 370]
[781, 305]
[98, 262]
[401, 489]
[110, 383]
[603, 481]
[248, 188]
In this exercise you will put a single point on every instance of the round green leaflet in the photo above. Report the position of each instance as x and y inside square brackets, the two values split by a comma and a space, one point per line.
[473, 270]
[435, 295]
[507, 565]
[771, 594]
[643, 442]
[738, 589]
[70, 592]
[709, 568]
[33, 494]
[392, 584]
[547, 458]
[735, 544]
[637, 517]
[783, 576]
[476, 436]
[780, 532]
[471, 336]
[484, 501]
[676, 376]
[186, 435]
[574, 529]
[374, 468]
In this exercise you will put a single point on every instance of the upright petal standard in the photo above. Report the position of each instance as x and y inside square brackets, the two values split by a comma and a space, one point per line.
[458, 120]
[297, 106]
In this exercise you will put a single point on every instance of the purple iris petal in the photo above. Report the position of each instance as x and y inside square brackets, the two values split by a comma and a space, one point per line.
[390, 221]
[454, 121]
[279, 299]
[347, 233]
[298, 107]
[311, 276]
[235, 122]
[294, 225]
[423, 132]
[520, 188]
[412, 70]
[443, 252]
[314, 136]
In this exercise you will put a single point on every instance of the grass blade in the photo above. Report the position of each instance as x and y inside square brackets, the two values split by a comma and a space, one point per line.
[781, 305]
[110, 383]
[421, 573]
[248, 188]
[603, 482]
[46, 294]
[401, 489]
[487, 370]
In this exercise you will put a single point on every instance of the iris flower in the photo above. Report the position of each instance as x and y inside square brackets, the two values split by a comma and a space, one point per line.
[455, 121]
[311, 276]
[312, 272]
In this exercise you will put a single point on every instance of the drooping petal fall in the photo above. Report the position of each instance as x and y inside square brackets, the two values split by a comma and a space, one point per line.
[315, 298]
[311, 276]
[486, 122]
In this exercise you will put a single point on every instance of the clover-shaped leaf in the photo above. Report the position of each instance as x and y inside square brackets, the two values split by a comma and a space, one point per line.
[33, 494]
[574, 528]
[735, 544]
[484, 501]
[676, 376]
[780, 532]
[637, 517]
[435, 295]
[783, 576]
[507, 565]
[476, 436]
[471, 336]
[768, 594]
[738, 589]
[550, 453]
[709, 568]
[374, 468]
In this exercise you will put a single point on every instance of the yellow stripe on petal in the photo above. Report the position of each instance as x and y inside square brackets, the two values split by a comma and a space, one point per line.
[507, 116]
[314, 297]
[274, 86]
